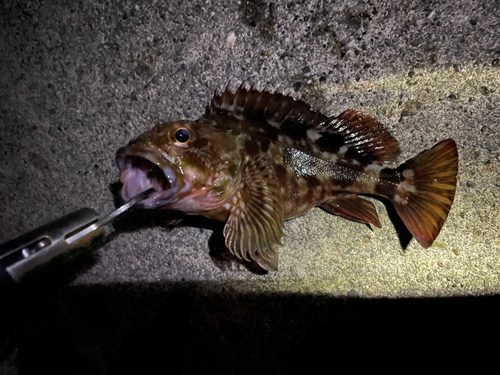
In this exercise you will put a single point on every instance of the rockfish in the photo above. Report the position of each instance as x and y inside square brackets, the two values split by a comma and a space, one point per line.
[256, 159]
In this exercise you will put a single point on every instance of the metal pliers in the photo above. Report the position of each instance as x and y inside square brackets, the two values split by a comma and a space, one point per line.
[76, 230]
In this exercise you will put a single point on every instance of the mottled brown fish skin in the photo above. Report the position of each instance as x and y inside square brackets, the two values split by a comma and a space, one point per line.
[307, 174]
[256, 159]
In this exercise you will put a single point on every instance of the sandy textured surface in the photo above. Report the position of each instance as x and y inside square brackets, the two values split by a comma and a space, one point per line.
[79, 80]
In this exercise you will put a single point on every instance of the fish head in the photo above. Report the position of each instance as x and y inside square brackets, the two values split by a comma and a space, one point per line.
[194, 167]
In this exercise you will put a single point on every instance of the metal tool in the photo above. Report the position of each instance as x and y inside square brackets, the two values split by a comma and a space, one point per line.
[78, 229]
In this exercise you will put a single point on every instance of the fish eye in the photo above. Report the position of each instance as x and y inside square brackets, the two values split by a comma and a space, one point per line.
[182, 135]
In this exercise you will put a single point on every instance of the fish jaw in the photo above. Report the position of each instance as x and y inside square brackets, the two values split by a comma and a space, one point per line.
[141, 169]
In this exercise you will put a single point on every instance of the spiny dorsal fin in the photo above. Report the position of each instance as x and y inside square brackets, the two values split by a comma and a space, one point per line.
[365, 139]
[255, 224]
[258, 105]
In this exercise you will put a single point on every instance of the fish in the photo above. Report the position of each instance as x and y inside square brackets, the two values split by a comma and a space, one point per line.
[256, 159]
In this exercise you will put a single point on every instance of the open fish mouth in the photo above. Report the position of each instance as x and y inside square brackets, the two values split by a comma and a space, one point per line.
[141, 171]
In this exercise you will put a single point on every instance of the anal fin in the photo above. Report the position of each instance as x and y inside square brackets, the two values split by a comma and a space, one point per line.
[354, 208]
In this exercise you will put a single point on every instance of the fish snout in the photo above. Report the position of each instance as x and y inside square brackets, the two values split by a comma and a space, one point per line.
[143, 169]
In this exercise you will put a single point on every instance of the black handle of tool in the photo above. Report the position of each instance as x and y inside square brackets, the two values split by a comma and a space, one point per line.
[36, 248]
[4, 276]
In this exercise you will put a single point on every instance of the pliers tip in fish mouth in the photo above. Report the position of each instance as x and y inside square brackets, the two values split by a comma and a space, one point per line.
[108, 219]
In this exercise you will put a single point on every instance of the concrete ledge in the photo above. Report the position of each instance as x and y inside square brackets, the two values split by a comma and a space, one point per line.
[80, 79]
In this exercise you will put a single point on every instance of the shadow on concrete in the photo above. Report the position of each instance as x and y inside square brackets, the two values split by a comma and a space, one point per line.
[210, 328]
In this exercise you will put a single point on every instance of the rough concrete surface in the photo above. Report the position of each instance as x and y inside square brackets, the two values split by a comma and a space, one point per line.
[80, 79]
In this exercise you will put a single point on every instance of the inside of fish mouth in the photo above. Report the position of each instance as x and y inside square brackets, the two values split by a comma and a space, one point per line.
[154, 173]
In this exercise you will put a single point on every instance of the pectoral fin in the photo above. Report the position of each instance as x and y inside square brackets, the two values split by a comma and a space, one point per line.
[353, 208]
[255, 223]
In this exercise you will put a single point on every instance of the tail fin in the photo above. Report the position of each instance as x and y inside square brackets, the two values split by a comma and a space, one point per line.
[426, 191]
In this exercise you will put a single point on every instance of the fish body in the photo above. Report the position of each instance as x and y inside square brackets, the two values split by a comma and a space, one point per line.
[256, 159]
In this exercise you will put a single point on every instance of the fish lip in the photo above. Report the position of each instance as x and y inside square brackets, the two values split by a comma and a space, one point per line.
[135, 179]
